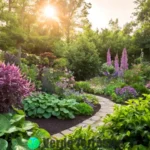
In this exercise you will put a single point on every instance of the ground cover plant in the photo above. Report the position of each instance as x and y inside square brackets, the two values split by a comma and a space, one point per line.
[45, 105]
[15, 131]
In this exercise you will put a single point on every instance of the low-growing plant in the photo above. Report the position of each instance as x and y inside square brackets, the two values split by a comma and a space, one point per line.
[46, 105]
[126, 92]
[15, 131]
[83, 86]
[31, 73]
[13, 87]
[84, 109]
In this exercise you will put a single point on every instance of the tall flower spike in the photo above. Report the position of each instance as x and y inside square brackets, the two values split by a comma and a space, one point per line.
[124, 60]
[116, 63]
[108, 57]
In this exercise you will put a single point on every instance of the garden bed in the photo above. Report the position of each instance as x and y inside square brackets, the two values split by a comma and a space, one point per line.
[54, 125]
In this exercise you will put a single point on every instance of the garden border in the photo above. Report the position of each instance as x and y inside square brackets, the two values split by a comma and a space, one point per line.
[96, 120]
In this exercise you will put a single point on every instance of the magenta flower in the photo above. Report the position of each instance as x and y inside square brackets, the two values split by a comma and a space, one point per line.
[124, 60]
[108, 57]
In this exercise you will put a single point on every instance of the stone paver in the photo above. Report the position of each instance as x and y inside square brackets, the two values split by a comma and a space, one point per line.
[96, 120]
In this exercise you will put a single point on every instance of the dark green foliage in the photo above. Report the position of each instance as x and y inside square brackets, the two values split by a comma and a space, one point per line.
[15, 131]
[84, 109]
[45, 105]
[83, 58]
[31, 73]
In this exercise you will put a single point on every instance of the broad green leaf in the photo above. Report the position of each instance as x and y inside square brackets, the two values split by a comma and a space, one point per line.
[20, 112]
[4, 124]
[41, 134]
[17, 118]
[40, 111]
[27, 125]
[47, 115]
[3, 144]
[19, 144]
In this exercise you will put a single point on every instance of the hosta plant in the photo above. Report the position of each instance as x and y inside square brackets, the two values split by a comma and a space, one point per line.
[15, 131]
[46, 105]
[13, 87]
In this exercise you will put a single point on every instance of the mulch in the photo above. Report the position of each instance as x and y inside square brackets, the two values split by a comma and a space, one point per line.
[54, 125]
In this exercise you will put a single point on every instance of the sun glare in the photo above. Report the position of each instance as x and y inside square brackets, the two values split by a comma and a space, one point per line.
[50, 12]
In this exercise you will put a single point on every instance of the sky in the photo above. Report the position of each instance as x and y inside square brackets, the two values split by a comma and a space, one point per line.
[104, 10]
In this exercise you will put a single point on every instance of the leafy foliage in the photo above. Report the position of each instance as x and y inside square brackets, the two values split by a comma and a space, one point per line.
[45, 105]
[15, 131]
[13, 87]
[84, 109]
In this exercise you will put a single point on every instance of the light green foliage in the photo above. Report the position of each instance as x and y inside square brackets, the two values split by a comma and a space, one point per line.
[60, 63]
[31, 73]
[45, 105]
[128, 124]
[109, 69]
[83, 86]
[15, 131]
[84, 109]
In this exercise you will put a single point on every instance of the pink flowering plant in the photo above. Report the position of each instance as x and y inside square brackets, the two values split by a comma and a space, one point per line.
[67, 81]
[13, 87]
[148, 85]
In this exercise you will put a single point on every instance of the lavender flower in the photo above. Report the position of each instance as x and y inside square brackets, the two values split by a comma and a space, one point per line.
[108, 57]
[126, 92]
[124, 60]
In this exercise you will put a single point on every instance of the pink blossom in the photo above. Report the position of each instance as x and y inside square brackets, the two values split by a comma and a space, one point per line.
[108, 57]
[124, 60]
[116, 63]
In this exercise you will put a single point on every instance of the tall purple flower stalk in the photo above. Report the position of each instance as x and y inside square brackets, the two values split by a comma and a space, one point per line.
[124, 60]
[116, 63]
[108, 57]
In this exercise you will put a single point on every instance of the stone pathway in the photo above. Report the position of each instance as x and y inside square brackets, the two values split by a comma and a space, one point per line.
[94, 121]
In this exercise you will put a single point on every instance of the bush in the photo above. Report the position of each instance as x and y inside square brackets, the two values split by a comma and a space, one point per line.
[84, 109]
[129, 124]
[83, 58]
[83, 86]
[15, 131]
[140, 88]
[13, 87]
[31, 73]
[45, 105]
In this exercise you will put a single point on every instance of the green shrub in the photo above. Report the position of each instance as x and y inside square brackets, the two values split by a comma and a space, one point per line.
[84, 109]
[85, 86]
[129, 124]
[140, 88]
[15, 131]
[45, 105]
[31, 73]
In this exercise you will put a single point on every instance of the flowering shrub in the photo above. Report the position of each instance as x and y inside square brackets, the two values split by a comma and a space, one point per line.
[126, 92]
[13, 87]
[67, 81]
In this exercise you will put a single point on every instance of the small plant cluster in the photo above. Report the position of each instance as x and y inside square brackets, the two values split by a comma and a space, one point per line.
[13, 87]
[45, 105]
[15, 131]
[126, 92]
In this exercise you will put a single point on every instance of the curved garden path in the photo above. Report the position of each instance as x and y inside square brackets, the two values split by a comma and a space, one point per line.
[96, 120]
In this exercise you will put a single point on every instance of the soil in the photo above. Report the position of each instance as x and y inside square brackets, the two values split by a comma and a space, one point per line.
[54, 125]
